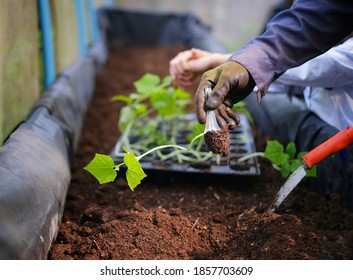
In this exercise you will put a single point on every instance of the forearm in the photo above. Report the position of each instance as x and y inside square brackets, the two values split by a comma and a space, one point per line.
[218, 59]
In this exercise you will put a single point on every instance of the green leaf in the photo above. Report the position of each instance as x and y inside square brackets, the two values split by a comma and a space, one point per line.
[134, 173]
[301, 154]
[167, 80]
[102, 168]
[123, 98]
[291, 150]
[127, 114]
[164, 102]
[137, 97]
[311, 172]
[197, 129]
[274, 153]
[149, 130]
[180, 94]
[182, 99]
[139, 109]
[241, 107]
[285, 169]
[295, 164]
[147, 83]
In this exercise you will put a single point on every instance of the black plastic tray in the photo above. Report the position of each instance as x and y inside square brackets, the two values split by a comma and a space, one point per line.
[241, 144]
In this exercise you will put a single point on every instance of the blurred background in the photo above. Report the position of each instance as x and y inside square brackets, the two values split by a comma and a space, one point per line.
[41, 38]
[233, 22]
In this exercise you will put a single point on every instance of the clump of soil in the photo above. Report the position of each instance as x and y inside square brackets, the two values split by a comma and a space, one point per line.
[217, 141]
[182, 215]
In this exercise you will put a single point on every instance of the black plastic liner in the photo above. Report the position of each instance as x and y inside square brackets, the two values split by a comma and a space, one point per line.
[34, 172]
[126, 27]
[35, 159]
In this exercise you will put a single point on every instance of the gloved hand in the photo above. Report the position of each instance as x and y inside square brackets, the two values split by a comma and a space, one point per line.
[231, 83]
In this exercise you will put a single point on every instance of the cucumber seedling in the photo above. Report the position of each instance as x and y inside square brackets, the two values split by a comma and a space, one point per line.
[284, 159]
[149, 123]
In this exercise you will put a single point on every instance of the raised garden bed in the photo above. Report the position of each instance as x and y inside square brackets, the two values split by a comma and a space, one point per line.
[185, 215]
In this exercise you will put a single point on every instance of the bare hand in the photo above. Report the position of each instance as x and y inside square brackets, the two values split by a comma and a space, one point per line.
[188, 65]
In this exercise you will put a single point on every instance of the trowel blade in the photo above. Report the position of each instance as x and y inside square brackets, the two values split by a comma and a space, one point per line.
[292, 181]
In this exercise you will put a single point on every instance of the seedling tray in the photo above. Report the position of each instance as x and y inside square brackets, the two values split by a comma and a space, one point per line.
[241, 144]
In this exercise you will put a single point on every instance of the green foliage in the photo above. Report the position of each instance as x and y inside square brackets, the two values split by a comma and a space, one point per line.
[284, 158]
[240, 107]
[102, 167]
[154, 97]
[197, 129]
[134, 173]
[158, 101]
[164, 106]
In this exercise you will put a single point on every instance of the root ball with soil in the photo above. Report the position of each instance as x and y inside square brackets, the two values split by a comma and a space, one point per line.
[217, 141]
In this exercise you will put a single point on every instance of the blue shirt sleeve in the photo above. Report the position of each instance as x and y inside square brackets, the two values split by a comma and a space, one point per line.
[307, 29]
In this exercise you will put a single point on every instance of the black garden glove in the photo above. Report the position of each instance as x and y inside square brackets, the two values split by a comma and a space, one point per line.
[231, 83]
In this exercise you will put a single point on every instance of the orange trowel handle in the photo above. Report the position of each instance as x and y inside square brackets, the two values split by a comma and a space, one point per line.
[334, 144]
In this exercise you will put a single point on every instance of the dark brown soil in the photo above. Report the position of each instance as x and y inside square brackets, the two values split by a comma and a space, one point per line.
[185, 216]
[217, 141]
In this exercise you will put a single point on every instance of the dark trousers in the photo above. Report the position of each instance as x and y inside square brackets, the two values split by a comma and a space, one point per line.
[288, 119]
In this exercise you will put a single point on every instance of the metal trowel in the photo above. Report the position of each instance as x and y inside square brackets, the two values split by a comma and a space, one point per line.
[334, 144]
